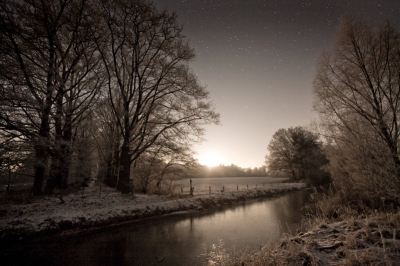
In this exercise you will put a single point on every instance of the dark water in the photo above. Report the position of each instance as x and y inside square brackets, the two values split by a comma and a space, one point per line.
[190, 239]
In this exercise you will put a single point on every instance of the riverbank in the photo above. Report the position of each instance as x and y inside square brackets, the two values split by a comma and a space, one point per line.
[370, 240]
[97, 208]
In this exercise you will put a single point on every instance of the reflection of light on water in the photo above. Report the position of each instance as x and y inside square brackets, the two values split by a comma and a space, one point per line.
[253, 224]
[221, 254]
[218, 254]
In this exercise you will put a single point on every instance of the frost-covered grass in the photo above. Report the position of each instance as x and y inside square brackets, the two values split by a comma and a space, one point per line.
[336, 233]
[47, 216]
[373, 240]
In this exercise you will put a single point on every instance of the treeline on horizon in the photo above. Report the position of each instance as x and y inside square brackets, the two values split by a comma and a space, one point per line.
[230, 171]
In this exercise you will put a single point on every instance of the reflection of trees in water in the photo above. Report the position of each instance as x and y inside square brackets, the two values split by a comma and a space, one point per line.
[140, 244]
[289, 209]
[185, 239]
[105, 250]
[95, 249]
[134, 244]
[90, 249]
[162, 241]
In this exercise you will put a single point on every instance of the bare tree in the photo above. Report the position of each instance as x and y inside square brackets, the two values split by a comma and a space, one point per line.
[75, 99]
[108, 141]
[360, 77]
[151, 88]
[358, 96]
[168, 158]
[296, 151]
[47, 77]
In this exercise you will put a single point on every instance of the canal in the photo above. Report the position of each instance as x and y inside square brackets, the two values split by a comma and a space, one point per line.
[203, 238]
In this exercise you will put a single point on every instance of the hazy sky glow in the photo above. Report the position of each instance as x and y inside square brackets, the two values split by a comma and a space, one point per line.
[258, 59]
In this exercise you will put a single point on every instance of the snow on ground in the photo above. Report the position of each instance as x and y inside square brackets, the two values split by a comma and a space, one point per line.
[103, 206]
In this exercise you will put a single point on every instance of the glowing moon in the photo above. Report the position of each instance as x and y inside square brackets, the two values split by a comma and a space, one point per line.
[210, 159]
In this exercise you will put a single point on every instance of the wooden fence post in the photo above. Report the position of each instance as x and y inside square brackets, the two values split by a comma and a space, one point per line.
[191, 188]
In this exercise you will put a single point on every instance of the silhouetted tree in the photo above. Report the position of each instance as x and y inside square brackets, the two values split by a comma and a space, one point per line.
[47, 77]
[296, 151]
[152, 90]
[108, 141]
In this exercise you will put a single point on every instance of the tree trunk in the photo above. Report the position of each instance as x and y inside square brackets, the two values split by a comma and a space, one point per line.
[59, 169]
[110, 178]
[53, 176]
[302, 174]
[60, 166]
[56, 160]
[39, 169]
[124, 182]
[112, 166]
[42, 149]
[65, 151]
[294, 175]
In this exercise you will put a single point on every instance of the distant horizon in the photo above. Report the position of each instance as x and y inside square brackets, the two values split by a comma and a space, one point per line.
[234, 165]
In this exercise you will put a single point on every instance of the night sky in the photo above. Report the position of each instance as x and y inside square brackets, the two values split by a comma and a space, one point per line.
[258, 60]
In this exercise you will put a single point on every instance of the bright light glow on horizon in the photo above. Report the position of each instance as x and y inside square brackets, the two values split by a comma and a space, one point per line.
[210, 159]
